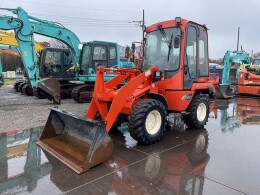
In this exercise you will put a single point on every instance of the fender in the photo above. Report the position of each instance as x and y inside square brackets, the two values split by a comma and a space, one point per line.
[160, 98]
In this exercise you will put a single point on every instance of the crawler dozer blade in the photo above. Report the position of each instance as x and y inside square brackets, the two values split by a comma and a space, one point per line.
[225, 91]
[78, 142]
[52, 89]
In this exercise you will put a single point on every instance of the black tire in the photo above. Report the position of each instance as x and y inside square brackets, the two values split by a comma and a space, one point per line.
[191, 119]
[198, 153]
[20, 87]
[16, 85]
[137, 119]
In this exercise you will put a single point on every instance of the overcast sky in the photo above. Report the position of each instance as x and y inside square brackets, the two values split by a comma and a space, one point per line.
[108, 19]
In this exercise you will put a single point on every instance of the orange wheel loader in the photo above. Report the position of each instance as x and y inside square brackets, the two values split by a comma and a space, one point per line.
[174, 78]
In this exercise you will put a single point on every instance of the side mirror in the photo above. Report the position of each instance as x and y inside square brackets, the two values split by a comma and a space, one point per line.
[176, 42]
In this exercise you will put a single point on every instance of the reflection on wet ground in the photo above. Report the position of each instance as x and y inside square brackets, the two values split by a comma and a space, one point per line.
[222, 158]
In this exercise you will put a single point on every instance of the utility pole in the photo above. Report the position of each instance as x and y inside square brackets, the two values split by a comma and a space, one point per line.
[142, 25]
[238, 38]
[143, 28]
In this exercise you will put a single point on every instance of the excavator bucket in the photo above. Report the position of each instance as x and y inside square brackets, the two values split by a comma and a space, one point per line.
[78, 142]
[225, 91]
[52, 89]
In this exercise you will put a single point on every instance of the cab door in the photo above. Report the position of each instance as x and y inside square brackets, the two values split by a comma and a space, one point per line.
[113, 55]
[190, 58]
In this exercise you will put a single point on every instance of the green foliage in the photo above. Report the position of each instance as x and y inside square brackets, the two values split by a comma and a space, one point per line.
[9, 81]
[10, 63]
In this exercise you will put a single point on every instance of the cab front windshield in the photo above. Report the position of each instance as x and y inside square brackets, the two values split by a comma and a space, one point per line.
[160, 51]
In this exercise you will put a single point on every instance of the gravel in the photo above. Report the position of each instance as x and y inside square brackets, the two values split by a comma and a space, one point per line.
[19, 112]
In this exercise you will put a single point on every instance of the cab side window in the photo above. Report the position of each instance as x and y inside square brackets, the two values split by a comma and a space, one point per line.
[191, 50]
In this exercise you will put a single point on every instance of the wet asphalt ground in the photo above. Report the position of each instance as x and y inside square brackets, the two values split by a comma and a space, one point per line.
[223, 158]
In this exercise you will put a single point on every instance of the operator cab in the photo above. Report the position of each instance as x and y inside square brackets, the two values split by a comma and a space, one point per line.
[164, 42]
[56, 62]
[98, 53]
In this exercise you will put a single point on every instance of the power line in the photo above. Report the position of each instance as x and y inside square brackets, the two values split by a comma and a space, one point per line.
[92, 9]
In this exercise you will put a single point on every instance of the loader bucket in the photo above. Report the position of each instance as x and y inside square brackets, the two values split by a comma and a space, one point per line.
[78, 142]
[52, 89]
[225, 91]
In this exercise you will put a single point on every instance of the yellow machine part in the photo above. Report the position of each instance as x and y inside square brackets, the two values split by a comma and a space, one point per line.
[8, 38]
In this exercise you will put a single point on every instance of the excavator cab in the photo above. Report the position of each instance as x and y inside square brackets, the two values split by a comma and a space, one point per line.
[174, 79]
[56, 62]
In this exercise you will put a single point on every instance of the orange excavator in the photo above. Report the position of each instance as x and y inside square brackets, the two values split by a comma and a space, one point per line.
[249, 80]
[174, 78]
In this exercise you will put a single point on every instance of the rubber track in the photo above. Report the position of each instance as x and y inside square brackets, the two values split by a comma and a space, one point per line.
[75, 94]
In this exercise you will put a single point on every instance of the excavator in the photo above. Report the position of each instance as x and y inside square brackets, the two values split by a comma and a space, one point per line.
[24, 35]
[225, 90]
[174, 78]
[25, 26]
[94, 54]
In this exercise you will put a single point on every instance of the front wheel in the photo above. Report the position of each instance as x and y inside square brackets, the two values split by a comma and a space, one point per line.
[198, 112]
[147, 121]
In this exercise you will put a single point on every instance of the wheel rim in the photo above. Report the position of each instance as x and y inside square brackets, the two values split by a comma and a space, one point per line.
[200, 144]
[152, 166]
[201, 112]
[153, 122]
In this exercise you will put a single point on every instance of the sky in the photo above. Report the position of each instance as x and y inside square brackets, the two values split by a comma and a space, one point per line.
[112, 20]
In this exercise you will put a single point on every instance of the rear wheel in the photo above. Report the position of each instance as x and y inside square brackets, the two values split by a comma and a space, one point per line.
[198, 112]
[147, 121]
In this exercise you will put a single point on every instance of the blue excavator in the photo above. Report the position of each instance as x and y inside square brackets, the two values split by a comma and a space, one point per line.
[90, 55]
[225, 89]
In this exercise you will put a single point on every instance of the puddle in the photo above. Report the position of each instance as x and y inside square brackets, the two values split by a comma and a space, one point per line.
[237, 112]
[177, 164]
[22, 163]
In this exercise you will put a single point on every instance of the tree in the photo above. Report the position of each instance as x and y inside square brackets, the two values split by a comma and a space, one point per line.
[256, 55]
[57, 44]
[45, 44]
[216, 61]
[10, 62]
